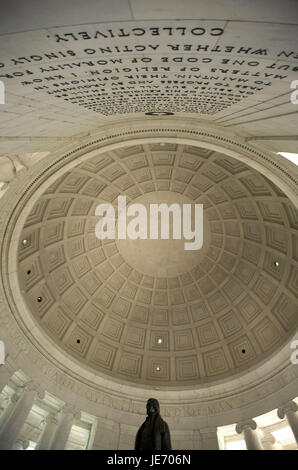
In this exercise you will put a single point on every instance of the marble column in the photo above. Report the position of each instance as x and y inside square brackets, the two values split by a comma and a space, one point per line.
[12, 401]
[107, 435]
[209, 438]
[69, 414]
[252, 440]
[290, 411]
[48, 433]
[197, 440]
[15, 421]
[20, 444]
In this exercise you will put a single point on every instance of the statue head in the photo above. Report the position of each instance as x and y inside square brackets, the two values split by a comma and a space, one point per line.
[152, 406]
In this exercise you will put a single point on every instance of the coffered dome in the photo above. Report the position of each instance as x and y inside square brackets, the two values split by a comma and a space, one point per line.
[149, 312]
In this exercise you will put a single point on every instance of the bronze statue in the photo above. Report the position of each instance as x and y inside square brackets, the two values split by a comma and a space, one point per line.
[154, 434]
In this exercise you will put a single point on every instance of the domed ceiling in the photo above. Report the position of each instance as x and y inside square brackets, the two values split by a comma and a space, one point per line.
[147, 311]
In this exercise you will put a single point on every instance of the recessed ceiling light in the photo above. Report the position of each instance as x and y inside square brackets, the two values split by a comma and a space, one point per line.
[276, 264]
[25, 242]
[158, 368]
[159, 340]
[39, 299]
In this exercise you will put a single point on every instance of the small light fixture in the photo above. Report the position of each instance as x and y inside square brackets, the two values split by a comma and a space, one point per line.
[78, 341]
[25, 242]
[159, 340]
[158, 368]
[276, 264]
[39, 299]
[243, 351]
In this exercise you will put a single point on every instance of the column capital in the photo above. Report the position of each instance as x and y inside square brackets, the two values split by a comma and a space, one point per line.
[15, 397]
[285, 408]
[4, 400]
[50, 419]
[243, 425]
[71, 411]
[21, 444]
[34, 387]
